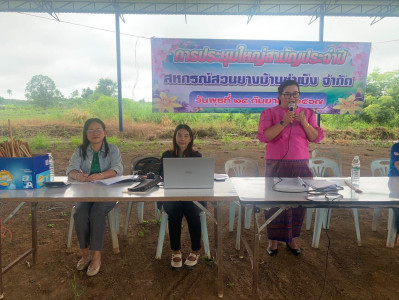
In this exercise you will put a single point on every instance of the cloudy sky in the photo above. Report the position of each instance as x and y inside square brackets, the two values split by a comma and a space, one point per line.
[76, 52]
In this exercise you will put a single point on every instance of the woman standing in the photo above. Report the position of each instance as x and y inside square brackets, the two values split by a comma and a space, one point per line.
[183, 147]
[94, 159]
[287, 133]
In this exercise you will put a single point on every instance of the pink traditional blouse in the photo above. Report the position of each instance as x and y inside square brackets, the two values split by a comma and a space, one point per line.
[298, 146]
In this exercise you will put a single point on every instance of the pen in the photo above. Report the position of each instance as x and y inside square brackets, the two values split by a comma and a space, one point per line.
[353, 187]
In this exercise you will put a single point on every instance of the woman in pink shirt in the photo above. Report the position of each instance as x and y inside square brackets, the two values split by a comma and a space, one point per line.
[287, 133]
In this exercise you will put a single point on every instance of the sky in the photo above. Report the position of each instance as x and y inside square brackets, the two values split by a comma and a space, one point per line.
[80, 49]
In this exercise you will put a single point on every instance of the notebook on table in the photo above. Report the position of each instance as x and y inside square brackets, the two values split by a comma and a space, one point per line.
[188, 173]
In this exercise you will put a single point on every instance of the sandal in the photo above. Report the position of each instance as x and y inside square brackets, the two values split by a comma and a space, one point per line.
[176, 264]
[190, 264]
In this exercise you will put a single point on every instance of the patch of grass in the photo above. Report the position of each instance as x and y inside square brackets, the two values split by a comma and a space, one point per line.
[77, 289]
[140, 233]
[208, 261]
[114, 140]
[51, 225]
[39, 142]
[75, 141]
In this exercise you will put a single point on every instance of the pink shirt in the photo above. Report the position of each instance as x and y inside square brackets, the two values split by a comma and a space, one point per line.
[298, 146]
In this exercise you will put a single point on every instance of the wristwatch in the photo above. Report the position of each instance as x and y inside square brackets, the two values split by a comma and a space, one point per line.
[282, 123]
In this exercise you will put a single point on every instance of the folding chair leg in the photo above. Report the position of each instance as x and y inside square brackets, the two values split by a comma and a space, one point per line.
[327, 219]
[319, 216]
[356, 219]
[157, 212]
[127, 218]
[248, 214]
[112, 226]
[140, 212]
[375, 218]
[391, 229]
[204, 233]
[238, 237]
[161, 236]
[232, 214]
[309, 213]
[71, 225]
[117, 219]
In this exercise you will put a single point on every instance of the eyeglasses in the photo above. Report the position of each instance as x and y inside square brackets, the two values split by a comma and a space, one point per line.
[288, 95]
[97, 131]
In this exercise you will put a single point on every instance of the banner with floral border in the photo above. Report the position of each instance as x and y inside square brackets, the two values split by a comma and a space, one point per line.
[205, 75]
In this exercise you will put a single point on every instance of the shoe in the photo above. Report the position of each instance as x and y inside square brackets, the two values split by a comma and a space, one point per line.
[294, 251]
[83, 264]
[190, 264]
[272, 252]
[93, 271]
[176, 264]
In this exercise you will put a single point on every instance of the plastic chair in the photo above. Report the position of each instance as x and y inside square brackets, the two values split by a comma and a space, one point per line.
[330, 153]
[142, 165]
[240, 167]
[379, 167]
[322, 167]
[113, 221]
[162, 231]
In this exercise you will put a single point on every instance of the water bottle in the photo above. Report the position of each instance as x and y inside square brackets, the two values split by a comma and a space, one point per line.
[51, 166]
[355, 172]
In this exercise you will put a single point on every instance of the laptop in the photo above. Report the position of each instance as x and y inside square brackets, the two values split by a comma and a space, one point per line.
[188, 173]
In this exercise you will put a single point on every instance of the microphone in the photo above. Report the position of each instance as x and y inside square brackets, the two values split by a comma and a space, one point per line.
[291, 107]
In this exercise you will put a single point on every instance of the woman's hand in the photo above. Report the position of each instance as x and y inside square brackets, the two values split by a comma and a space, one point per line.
[288, 117]
[97, 176]
[301, 117]
[78, 176]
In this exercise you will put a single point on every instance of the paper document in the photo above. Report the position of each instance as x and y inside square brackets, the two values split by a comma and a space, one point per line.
[291, 184]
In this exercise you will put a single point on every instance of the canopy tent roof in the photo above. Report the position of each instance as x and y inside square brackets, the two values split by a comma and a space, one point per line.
[316, 8]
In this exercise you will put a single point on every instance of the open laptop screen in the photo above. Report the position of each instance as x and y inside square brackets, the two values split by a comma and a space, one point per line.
[188, 173]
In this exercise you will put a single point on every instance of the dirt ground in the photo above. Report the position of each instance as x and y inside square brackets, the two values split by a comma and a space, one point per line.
[367, 272]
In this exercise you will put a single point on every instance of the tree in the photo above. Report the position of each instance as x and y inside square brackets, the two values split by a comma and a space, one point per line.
[9, 92]
[106, 87]
[41, 90]
[74, 94]
[86, 93]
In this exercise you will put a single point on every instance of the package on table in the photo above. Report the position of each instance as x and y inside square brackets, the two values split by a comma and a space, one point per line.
[20, 173]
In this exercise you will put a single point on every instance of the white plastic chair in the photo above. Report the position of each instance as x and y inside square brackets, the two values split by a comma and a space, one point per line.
[322, 167]
[140, 205]
[379, 167]
[330, 153]
[113, 221]
[240, 167]
[162, 231]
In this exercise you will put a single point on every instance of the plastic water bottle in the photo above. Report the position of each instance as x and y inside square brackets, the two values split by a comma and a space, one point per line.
[51, 166]
[355, 172]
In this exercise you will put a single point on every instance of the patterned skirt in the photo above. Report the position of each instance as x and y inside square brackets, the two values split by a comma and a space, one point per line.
[288, 224]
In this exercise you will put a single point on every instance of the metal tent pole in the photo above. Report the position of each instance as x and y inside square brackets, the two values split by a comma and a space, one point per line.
[321, 36]
[118, 65]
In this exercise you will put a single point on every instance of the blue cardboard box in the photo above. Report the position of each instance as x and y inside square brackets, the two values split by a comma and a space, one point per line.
[19, 173]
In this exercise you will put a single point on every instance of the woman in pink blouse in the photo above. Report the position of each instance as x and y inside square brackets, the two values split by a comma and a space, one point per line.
[287, 133]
